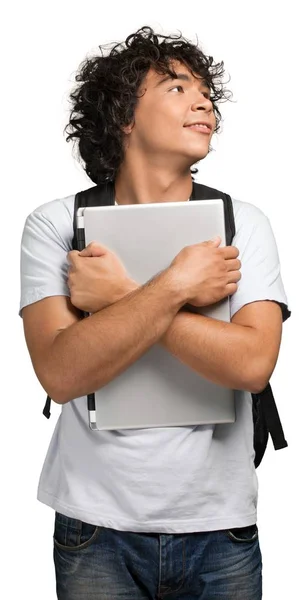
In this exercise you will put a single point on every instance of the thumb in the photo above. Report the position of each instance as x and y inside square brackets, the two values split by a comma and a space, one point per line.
[94, 249]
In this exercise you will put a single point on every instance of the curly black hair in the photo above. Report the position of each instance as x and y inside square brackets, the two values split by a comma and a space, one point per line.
[104, 101]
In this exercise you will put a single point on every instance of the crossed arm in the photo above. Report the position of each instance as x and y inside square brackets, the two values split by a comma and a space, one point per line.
[73, 357]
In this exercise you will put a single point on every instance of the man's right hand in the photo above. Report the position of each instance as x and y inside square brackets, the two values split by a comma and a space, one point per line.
[207, 273]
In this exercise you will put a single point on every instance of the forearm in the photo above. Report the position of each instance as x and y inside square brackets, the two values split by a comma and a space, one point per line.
[87, 355]
[225, 353]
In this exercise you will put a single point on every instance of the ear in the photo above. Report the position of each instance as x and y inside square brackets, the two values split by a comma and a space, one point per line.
[128, 128]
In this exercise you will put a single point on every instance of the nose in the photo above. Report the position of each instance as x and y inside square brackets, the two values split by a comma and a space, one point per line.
[202, 103]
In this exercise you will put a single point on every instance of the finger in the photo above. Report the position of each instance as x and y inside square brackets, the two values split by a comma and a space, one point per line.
[229, 252]
[70, 277]
[71, 256]
[231, 288]
[233, 264]
[215, 242]
[94, 249]
[234, 276]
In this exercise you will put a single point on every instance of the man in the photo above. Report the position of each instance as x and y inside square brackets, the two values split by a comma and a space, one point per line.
[161, 512]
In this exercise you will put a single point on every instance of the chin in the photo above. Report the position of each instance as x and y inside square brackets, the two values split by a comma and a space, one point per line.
[198, 157]
[197, 154]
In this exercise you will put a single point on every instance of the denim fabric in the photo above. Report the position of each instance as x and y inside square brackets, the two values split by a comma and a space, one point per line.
[98, 563]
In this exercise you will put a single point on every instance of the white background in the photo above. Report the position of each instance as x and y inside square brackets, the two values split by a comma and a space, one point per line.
[255, 160]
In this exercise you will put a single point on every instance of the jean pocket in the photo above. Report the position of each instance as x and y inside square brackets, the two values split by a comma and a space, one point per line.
[243, 534]
[73, 534]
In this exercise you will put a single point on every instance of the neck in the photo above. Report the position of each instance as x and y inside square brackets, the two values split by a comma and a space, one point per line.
[143, 184]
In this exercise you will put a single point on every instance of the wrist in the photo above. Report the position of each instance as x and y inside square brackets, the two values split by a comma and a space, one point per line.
[131, 286]
[166, 338]
[172, 282]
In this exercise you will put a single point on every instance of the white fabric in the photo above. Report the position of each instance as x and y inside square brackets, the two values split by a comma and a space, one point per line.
[167, 480]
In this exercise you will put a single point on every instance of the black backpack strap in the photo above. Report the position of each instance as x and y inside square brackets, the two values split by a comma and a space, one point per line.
[272, 419]
[98, 195]
[203, 192]
[46, 411]
[266, 420]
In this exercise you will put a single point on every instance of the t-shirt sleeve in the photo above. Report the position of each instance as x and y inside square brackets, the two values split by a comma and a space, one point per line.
[44, 265]
[260, 270]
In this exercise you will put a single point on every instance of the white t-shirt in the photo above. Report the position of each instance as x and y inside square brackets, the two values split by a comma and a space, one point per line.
[164, 480]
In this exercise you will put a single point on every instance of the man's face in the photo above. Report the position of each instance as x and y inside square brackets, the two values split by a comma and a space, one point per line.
[166, 116]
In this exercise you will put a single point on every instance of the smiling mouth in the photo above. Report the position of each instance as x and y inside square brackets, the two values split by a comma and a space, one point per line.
[199, 128]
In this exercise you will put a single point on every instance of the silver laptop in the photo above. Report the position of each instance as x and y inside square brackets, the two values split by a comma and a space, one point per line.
[158, 390]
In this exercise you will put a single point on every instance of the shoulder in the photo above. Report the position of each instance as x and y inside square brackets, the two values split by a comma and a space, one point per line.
[247, 214]
[53, 219]
[57, 207]
[252, 224]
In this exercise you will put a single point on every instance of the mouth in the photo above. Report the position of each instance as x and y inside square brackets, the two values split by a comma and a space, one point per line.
[200, 127]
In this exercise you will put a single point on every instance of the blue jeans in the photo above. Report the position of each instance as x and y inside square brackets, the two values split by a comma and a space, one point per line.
[98, 563]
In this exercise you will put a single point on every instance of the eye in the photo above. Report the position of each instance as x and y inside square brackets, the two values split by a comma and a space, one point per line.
[177, 87]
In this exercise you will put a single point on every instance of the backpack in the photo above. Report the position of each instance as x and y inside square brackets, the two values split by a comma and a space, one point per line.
[264, 411]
